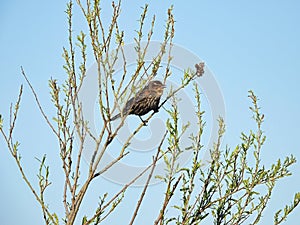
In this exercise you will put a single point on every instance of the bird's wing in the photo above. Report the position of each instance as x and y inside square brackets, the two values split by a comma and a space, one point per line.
[128, 106]
[135, 101]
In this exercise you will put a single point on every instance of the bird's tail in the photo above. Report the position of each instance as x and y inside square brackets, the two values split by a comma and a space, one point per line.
[115, 117]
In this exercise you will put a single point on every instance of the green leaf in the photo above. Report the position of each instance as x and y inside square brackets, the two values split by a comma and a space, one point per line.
[84, 220]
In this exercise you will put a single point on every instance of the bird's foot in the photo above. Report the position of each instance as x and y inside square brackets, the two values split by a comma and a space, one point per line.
[144, 122]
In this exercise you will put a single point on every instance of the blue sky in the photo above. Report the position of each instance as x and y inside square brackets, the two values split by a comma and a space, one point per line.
[247, 45]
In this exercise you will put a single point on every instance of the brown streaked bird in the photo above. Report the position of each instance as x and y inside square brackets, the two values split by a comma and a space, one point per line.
[144, 101]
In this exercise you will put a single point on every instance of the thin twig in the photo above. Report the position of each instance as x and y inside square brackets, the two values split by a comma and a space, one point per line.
[113, 162]
[148, 180]
[39, 104]
[120, 192]
[167, 200]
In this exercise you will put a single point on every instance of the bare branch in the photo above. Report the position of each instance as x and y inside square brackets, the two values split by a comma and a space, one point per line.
[155, 159]
[39, 104]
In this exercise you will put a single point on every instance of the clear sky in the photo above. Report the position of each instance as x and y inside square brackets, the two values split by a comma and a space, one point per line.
[246, 44]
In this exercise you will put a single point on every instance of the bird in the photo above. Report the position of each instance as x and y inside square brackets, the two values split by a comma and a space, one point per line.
[144, 101]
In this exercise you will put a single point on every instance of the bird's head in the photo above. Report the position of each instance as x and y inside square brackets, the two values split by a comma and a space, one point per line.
[157, 86]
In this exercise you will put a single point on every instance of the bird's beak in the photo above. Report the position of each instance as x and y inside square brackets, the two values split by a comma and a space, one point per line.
[164, 86]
